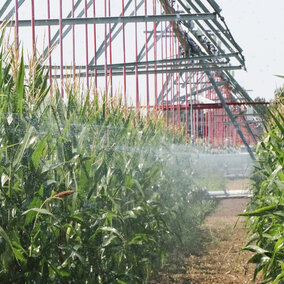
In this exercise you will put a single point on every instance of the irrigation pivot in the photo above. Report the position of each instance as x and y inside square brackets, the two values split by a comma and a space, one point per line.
[174, 56]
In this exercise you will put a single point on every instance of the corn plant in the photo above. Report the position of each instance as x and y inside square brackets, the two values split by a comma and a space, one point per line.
[266, 209]
[85, 197]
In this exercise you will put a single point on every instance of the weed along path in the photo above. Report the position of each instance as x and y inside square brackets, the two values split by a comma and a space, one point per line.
[217, 260]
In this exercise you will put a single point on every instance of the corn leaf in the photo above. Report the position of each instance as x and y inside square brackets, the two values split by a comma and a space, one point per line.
[20, 86]
[256, 249]
[277, 122]
[260, 211]
[38, 151]
[40, 211]
[19, 255]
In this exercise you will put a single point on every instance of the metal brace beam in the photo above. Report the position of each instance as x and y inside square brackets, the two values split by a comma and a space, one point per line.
[164, 63]
[230, 114]
[117, 20]
[101, 73]
[4, 7]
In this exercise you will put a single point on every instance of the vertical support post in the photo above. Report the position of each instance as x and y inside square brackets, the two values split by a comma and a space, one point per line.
[210, 119]
[186, 101]
[95, 46]
[206, 125]
[219, 115]
[61, 46]
[178, 85]
[172, 80]
[167, 77]
[196, 111]
[49, 47]
[155, 53]
[105, 47]
[87, 45]
[33, 28]
[213, 118]
[110, 51]
[124, 57]
[162, 56]
[16, 24]
[191, 108]
[147, 58]
[73, 42]
[136, 57]
[178, 80]
[235, 131]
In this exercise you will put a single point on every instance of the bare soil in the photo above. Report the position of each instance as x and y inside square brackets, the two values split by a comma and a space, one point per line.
[218, 259]
[237, 184]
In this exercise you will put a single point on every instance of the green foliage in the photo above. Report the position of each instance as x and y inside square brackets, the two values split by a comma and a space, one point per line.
[85, 197]
[266, 209]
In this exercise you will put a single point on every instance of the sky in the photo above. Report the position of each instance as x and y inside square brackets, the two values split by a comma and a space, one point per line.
[258, 27]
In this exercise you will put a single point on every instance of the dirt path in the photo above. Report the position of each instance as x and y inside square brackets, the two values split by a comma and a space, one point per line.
[222, 263]
[219, 261]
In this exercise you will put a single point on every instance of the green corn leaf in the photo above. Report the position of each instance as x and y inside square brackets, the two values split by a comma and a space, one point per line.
[280, 126]
[280, 276]
[38, 151]
[19, 255]
[162, 258]
[84, 109]
[261, 211]
[106, 229]
[30, 216]
[278, 246]
[280, 115]
[2, 35]
[259, 259]
[6, 77]
[20, 86]
[139, 239]
[17, 245]
[60, 272]
[6, 237]
[108, 240]
[256, 249]
[3, 148]
[1, 70]
[111, 230]
[279, 214]
[41, 98]
[23, 147]
[40, 211]
[2, 109]
[47, 168]
[257, 270]
[130, 214]
[73, 251]
[252, 239]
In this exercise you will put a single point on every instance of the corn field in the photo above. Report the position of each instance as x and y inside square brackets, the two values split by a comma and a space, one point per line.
[88, 190]
[266, 209]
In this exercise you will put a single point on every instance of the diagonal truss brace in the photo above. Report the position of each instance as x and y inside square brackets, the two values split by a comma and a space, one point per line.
[230, 114]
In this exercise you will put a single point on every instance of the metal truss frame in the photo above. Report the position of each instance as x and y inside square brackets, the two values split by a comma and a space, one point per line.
[197, 53]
